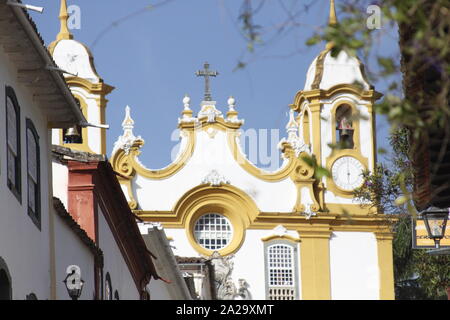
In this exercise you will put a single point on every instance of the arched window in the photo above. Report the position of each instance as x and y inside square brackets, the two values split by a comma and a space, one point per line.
[108, 287]
[5, 282]
[344, 127]
[281, 270]
[13, 143]
[33, 174]
[73, 134]
[305, 128]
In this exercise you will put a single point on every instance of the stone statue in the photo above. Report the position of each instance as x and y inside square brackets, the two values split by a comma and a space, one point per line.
[225, 287]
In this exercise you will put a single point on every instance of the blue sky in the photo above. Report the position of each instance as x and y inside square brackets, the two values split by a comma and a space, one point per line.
[151, 59]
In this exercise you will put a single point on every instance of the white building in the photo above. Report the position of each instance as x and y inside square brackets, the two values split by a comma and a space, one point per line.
[75, 214]
[285, 234]
[33, 99]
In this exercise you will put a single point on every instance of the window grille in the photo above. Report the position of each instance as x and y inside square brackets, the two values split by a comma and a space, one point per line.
[281, 272]
[213, 231]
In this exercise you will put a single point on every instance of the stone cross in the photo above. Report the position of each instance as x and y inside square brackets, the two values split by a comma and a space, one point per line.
[207, 73]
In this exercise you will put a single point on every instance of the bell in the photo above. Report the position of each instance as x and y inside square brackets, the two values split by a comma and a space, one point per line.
[72, 135]
[344, 127]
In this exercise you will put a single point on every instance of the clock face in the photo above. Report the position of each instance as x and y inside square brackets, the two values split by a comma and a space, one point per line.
[347, 173]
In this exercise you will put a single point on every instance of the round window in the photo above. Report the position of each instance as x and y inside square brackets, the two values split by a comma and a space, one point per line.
[213, 231]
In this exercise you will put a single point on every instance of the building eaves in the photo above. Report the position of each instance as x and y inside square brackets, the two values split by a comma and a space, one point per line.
[37, 69]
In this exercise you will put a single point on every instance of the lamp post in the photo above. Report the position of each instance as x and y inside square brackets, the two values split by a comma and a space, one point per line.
[435, 221]
[74, 284]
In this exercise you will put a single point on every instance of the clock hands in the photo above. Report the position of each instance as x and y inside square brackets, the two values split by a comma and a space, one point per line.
[348, 171]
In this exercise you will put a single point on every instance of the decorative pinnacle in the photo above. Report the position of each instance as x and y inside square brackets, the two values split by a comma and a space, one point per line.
[332, 21]
[231, 103]
[186, 102]
[333, 18]
[206, 73]
[128, 122]
[292, 124]
[64, 32]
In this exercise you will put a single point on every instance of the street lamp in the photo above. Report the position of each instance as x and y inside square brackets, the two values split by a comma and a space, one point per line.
[74, 285]
[435, 221]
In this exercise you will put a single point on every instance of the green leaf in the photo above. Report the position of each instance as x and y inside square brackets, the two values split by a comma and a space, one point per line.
[322, 172]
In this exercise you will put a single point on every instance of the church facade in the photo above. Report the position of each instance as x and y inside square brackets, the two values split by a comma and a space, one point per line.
[292, 233]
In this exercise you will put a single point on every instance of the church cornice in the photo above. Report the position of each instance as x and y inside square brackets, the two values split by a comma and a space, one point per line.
[319, 94]
[377, 224]
[100, 88]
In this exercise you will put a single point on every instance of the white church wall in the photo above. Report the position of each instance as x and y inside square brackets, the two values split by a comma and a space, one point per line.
[23, 246]
[249, 264]
[72, 56]
[354, 266]
[70, 250]
[60, 182]
[214, 154]
[114, 263]
[248, 260]
[180, 243]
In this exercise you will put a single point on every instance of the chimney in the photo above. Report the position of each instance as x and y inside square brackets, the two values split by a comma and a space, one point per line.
[81, 198]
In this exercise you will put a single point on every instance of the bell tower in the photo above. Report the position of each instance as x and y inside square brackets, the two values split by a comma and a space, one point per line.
[77, 62]
[335, 115]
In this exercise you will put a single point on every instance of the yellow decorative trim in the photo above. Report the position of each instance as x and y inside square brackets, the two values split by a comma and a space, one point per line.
[315, 264]
[282, 237]
[242, 160]
[269, 220]
[303, 177]
[227, 200]
[319, 94]
[220, 207]
[219, 124]
[128, 165]
[319, 69]
[132, 203]
[100, 88]
[385, 265]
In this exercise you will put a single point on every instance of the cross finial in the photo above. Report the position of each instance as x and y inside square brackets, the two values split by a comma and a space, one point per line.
[206, 73]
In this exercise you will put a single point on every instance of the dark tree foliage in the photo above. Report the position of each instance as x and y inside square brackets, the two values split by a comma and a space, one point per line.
[417, 274]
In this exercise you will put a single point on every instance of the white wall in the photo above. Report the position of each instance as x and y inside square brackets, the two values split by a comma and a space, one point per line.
[70, 250]
[114, 263]
[249, 263]
[213, 154]
[248, 260]
[23, 246]
[354, 266]
[60, 182]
